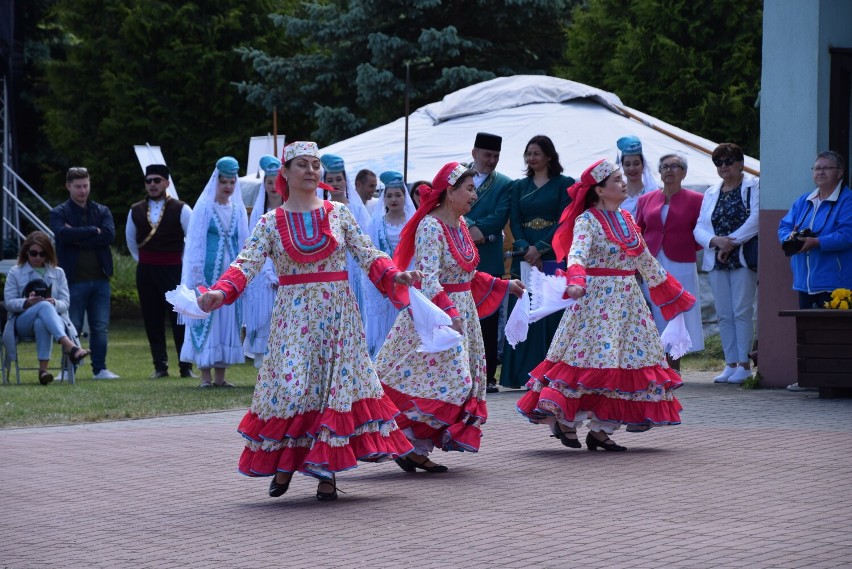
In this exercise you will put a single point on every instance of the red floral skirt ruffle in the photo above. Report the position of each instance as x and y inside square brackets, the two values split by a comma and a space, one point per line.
[448, 426]
[624, 396]
[322, 441]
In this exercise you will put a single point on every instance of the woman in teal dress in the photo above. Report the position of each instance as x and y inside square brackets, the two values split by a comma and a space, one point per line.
[537, 202]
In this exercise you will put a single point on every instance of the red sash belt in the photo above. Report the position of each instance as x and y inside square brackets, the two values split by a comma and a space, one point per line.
[595, 272]
[322, 277]
[456, 287]
[451, 287]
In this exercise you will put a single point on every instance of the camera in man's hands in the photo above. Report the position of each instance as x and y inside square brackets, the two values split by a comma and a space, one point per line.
[795, 242]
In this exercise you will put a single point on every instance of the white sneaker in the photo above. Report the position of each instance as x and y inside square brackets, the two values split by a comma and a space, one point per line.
[740, 375]
[723, 377]
[105, 374]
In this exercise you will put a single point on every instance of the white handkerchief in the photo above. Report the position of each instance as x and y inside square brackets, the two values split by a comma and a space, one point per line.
[185, 302]
[676, 337]
[432, 324]
[518, 323]
[547, 295]
[525, 272]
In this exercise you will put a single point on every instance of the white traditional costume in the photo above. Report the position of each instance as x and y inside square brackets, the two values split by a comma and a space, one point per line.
[216, 234]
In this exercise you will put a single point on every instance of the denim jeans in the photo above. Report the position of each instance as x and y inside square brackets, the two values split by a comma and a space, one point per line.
[41, 321]
[92, 298]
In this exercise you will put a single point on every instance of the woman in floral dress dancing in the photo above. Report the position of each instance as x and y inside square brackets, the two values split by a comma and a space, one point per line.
[318, 406]
[606, 363]
[442, 395]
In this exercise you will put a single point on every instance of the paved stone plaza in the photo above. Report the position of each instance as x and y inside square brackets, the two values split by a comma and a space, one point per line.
[752, 479]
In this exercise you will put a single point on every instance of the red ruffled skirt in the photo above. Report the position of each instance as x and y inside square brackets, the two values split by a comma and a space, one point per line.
[448, 426]
[641, 396]
[320, 443]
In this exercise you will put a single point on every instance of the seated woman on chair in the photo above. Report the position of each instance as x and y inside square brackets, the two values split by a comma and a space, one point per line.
[37, 301]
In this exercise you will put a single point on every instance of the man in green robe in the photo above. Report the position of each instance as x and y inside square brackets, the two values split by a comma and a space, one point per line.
[485, 222]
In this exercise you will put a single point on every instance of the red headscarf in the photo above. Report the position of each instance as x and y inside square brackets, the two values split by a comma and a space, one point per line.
[592, 176]
[421, 189]
[281, 184]
[448, 176]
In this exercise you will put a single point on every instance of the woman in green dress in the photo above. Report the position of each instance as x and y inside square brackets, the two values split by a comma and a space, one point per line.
[537, 202]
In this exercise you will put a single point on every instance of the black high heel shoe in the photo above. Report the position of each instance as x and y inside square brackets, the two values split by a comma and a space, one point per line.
[608, 444]
[565, 439]
[405, 464]
[276, 489]
[327, 496]
[435, 468]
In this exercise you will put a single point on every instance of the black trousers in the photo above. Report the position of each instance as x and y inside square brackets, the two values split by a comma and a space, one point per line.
[489, 327]
[817, 300]
[152, 283]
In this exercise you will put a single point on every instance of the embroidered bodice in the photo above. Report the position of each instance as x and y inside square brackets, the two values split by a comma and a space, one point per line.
[619, 228]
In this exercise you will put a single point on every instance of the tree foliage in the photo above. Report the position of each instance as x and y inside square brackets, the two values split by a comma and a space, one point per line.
[349, 73]
[693, 64]
[200, 78]
[155, 71]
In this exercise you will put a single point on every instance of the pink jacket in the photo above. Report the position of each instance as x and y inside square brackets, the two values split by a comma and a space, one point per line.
[675, 236]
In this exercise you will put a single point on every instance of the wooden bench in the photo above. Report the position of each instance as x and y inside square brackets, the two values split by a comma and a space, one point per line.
[824, 350]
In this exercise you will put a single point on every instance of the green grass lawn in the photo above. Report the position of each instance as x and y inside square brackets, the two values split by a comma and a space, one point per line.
[135, 396]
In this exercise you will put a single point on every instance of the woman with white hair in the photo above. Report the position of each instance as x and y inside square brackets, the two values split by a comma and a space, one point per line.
[217, 230]
[667, 218]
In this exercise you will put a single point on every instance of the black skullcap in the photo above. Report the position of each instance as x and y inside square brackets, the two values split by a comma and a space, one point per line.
[487, 141]
[157, 170]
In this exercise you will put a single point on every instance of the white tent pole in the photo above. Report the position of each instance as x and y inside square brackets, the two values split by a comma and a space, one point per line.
[405, 159]
[275, 131]
[680, 139]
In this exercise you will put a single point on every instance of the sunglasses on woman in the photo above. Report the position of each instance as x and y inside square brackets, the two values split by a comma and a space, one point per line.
[34, 253]
[725, 161]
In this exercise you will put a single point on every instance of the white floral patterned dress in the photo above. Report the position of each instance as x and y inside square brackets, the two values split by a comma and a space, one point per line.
[442, 395]
[606, 362]
[318, 406]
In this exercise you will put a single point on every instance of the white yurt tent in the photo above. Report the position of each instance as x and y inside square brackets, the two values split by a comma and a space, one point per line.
[583, 122]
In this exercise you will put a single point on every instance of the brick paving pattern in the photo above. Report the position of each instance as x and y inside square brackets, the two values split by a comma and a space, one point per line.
[754, 479]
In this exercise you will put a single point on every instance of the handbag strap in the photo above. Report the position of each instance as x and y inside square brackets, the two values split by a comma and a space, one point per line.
[748, 201]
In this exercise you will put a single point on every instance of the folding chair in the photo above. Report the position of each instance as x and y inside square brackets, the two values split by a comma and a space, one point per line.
[66, 368]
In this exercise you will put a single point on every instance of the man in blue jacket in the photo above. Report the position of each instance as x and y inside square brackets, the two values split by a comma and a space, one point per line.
[817, 236]
[485, 222]
[84, 231]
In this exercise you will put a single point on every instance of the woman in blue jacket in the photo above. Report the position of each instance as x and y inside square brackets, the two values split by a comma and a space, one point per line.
[817, 234]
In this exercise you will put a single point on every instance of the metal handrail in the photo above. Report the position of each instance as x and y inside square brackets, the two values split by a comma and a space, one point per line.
[22, 208]
[13, 228]
[27, 186]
